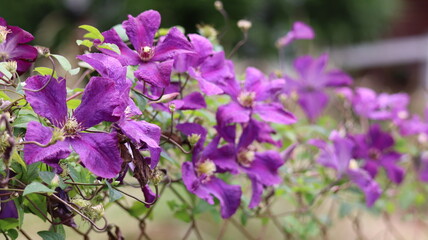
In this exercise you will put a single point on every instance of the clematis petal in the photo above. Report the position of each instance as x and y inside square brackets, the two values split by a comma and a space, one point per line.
[49, 155]
[174, 43]
[192, 183]
[206, 87]
[99, 152]
[192, 128]
[7, 209]
[50, 102]
[228, 195]
[192, 101]
[157, 74]
[232, 113]
[274, 112]
[149, 195]
[364, 181]
[257, 191]
[313, 103]
[141, 30]
[99, 101]
[225, 159]
[126, 56]
[394, 172]
[265, 167]
[107, 66]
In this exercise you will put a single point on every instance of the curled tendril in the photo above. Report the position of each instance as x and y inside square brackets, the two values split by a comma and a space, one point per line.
[47, 83]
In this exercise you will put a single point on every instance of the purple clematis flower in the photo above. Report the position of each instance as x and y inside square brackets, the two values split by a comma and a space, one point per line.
[299, 31]
[144, 135]
[98, 151]
[312, 81]
[380, 107]
[260, 167]
[252, 99]
[13, 46]
[338, 156]
[7, 207]
[209, 68]
[155, 61]
[376, 149]
[199, 175]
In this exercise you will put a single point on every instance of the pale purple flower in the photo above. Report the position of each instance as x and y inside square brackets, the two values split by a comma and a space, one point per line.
[338, 156]
[380, 106]
[299, 31]
[154, 60]
[98, 151]
[312, 81]
[254, 97]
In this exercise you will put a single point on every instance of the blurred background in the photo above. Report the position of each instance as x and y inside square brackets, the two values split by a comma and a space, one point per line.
[382, 43]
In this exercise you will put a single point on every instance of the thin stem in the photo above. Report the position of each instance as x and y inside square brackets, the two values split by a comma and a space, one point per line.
[74, 96]
[149, 98]
[47, 83]
[176, 144]
[239, 44]
[241, 229]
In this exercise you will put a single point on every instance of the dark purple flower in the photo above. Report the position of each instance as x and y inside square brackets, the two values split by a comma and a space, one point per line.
[144, 135]
[199, 175]
[299, 31]
[338, 156]
[312, 81]
[13, 46]
[260, 167]
[7, 207]
[155, 61]
[98, 151]
[252, 98]
[376, 150]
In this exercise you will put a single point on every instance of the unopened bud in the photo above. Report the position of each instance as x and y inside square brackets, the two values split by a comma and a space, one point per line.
[218, 5]
[96, 212]
[194, 138]
[81, 203]
[244, 25]
[55, 181]
[11, 66]
[157, 176]
[207, 31]
[43, 51]
[172, 107]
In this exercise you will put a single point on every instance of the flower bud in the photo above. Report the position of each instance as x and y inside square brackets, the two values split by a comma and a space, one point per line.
[96, 212]
[244, 25]
[218, 5]
[81, 203]
[172, 107]
[11, 66]
[43, 51]
[157, 176]
[207, 31]
[55, 181]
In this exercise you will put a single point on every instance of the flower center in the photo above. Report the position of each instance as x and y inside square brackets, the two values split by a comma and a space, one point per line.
[3, 33]
[374, 153]
[146, 53]
[11, 66]
[71, 127]
[246, 157]
[206, 168]
[246, 99]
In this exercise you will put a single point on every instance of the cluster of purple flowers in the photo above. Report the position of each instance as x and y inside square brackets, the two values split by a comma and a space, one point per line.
[242, 125]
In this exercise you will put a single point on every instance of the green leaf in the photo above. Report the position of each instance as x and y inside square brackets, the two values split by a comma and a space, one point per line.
[74, 71]
[46, 235]
[17, 158]
[113, 193]
[23, 119]
[137, 209]
[45, 71]
[8, 223]
[36, 187]
[93, 32]
[73, 103]
[4, 96]
[12, 233]
[121, 32]
[86, 43]
[47, 177]
[183, 215]
[65, 64]
[110, 46]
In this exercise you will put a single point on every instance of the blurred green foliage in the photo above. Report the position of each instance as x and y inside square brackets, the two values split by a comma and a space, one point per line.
[336, 21]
